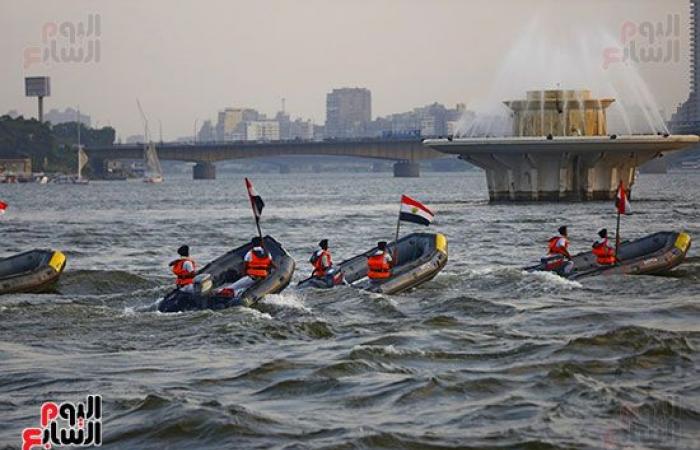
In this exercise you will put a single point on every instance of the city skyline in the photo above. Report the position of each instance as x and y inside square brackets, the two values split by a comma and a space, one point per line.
[243, 58]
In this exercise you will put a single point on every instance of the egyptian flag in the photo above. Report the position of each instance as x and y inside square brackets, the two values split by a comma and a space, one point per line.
[414, 211]
[622, 202]
[255, 200]
[3, 207]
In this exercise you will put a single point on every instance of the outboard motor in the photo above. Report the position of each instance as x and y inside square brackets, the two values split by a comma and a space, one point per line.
[202, 284]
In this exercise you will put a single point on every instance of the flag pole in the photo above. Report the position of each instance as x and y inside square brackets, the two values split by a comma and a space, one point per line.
[252, 207]
[396, 241]
[617, 236]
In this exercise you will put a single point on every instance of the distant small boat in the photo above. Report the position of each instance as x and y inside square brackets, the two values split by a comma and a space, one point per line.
[32, 271]
[154, 172]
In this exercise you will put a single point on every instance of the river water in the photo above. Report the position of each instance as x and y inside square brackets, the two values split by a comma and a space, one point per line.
[483, 356]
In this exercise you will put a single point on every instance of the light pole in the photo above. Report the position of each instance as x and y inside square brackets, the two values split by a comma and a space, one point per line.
[194, 135]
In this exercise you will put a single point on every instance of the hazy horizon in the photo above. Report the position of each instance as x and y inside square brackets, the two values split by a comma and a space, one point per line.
[188, 60]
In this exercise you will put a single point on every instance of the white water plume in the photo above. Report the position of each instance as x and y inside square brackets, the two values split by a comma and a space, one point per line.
[570, 56]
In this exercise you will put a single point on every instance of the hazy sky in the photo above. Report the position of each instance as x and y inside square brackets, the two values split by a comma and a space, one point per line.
[185, 60]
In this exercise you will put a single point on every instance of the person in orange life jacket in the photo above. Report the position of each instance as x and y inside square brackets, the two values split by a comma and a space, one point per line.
[379, 263]
[258, 261]
[321, 260]
[184, 267]
[558, 257]
[604, 250]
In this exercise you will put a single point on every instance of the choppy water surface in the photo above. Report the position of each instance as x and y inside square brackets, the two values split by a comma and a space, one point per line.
[482, 356]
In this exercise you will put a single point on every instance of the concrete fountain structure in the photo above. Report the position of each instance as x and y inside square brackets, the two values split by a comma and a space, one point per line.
[560, 151]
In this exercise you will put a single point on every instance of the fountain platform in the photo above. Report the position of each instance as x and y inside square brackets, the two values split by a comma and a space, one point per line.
[561, 150]
[571, 168]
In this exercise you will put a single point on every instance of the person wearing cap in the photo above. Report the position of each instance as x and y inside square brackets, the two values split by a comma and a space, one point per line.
[321, 260]
[379, 263]
[604, 250]
[558, 257]
[184, 267]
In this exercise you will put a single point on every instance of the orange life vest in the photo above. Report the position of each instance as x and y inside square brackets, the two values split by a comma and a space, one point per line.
[319, 269]
[604, 254]
[258, 266]
[184, 277]
[554, 249]
[379, 268]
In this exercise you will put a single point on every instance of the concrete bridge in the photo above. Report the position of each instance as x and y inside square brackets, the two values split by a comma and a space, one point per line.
[406, 153]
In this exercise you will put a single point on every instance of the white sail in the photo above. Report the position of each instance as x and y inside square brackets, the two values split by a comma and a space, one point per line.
[82, 161]
[153, 169]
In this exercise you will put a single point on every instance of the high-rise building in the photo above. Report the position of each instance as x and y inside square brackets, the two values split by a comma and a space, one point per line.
[687, 118]
[348, 113]
[230, 125]
[262, 130]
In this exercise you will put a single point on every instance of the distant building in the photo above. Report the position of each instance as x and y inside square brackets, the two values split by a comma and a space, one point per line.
[231, 126]
[427, 121]
[687, 119]
[301, 129]
[207, 133]
[348, 113]
[68, 115]
[12, 163]
[262, 130]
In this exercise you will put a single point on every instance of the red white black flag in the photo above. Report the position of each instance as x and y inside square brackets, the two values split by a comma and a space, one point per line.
[622, 202]
[414, 211]
[256, 202]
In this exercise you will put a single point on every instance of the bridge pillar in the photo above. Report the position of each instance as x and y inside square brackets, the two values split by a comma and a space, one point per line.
[204, 170]
[406, 169]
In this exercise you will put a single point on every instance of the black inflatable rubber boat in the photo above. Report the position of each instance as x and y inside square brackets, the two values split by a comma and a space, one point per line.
[653, 254]
[211, 286]
[32, 271]
[421, 256]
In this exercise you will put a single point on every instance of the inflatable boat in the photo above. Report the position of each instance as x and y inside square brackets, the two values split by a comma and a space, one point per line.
[213, 284]
[653, 254]
[34, 271]
[420, 257]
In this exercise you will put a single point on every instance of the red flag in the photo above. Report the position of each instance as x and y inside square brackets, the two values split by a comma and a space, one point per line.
[255, 200]
[622, 202]
[3, 207]
[414, 211]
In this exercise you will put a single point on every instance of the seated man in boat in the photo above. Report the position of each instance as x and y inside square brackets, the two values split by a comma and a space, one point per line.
[258, 261]
[379, 264]
[184, 267]
[321, 260]
[257, 264]
[558, 258]
[604, 250]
